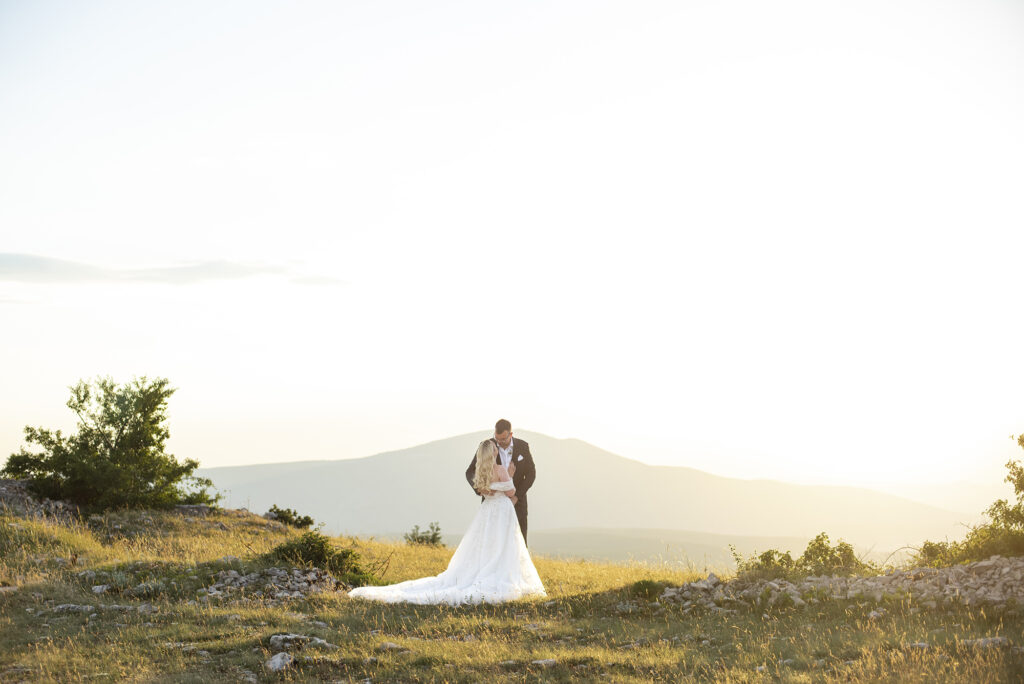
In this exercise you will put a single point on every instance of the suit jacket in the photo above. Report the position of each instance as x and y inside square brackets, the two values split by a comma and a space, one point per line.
[526, 471]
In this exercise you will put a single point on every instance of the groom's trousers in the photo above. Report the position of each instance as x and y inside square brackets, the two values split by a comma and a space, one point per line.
[521, 513]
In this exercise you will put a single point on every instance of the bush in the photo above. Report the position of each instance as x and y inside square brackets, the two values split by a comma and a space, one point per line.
[313, 549]
[117, 458]
[647, 589]
[817, 559]
[290, 516]
[430, 537]
[1002, 535]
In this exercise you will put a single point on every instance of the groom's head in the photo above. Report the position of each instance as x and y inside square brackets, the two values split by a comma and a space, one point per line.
[503, 433]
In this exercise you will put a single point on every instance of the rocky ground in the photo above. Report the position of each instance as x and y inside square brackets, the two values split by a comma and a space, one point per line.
[16, 498]
[997, 582]
[202, 601]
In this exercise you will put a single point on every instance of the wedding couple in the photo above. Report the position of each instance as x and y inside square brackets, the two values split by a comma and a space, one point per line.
[491, 563]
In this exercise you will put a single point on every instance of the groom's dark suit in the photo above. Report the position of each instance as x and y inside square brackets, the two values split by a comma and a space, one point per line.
[522, 480]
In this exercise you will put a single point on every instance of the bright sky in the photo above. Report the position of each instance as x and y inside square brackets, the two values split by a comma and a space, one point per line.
[760, 239]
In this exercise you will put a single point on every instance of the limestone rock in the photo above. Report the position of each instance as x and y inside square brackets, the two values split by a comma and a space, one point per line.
[279, 662]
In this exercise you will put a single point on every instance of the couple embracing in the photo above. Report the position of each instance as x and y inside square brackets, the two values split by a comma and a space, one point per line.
[491, 563]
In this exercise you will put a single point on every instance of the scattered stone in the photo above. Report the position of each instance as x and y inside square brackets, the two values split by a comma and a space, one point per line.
[283, 642]
[192, 509]
[390, 646]
[995, 581]
[545, 663]
[100, 588]
[72, 608]
[16, 498]
[987, 642]
[279, 662]
[270, 585]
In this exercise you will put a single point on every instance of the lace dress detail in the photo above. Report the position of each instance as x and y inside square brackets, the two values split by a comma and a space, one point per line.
[490, 565]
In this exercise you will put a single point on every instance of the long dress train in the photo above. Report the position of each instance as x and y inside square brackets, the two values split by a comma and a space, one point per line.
[491, 563]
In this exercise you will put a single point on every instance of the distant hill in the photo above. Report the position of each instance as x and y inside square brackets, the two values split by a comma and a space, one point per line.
[580, 487]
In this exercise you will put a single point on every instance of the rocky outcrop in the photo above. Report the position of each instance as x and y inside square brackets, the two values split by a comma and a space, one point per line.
[271, 584]
[16, 498]
[995, 581]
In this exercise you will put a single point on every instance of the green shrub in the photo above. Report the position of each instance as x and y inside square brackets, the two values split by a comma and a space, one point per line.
[1002, 535]
[116, 459]
[289, 516]
[819, 558]
[313, 549]
[647, 589]
[429, 537]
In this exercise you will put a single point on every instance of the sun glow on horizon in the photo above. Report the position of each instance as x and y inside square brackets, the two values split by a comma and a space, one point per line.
[766, 241]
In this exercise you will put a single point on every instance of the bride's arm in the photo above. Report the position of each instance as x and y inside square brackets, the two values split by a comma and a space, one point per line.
[501, 475]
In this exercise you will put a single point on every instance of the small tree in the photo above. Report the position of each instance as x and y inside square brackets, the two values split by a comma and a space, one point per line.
[1002, 514]
[289, 516]
[117, 458]
[1002, 535]
[430, 537]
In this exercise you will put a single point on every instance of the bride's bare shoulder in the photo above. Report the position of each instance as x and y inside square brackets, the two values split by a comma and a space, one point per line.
[500, 473]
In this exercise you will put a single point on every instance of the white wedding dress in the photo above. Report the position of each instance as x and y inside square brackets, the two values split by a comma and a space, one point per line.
[491, 563]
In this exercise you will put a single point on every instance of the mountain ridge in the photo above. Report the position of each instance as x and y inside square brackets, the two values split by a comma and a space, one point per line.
[674, 468]
[576, 480]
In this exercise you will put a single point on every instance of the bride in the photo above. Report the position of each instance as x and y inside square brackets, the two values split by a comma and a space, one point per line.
[491, 563]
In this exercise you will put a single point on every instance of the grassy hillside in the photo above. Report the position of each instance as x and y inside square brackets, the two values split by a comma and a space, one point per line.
[152, 623]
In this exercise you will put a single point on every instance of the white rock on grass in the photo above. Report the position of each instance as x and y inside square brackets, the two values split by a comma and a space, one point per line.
[545, 662]
[72, 608]
[279, 662]
[987, 642]
[271, 584]
[282, 642]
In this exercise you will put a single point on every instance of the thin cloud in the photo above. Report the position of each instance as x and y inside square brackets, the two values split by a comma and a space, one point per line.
[31, 268]
[317, 280]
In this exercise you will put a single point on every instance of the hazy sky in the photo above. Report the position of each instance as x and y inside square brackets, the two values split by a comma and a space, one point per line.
[761, 239]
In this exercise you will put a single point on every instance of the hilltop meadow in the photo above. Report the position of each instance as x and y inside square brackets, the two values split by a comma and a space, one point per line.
[117, 564]
[126, 596]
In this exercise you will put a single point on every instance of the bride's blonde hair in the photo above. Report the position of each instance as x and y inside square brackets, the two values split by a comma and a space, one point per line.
[484, 465]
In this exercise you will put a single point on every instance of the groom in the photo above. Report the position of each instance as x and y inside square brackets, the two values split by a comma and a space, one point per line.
[517, 453]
